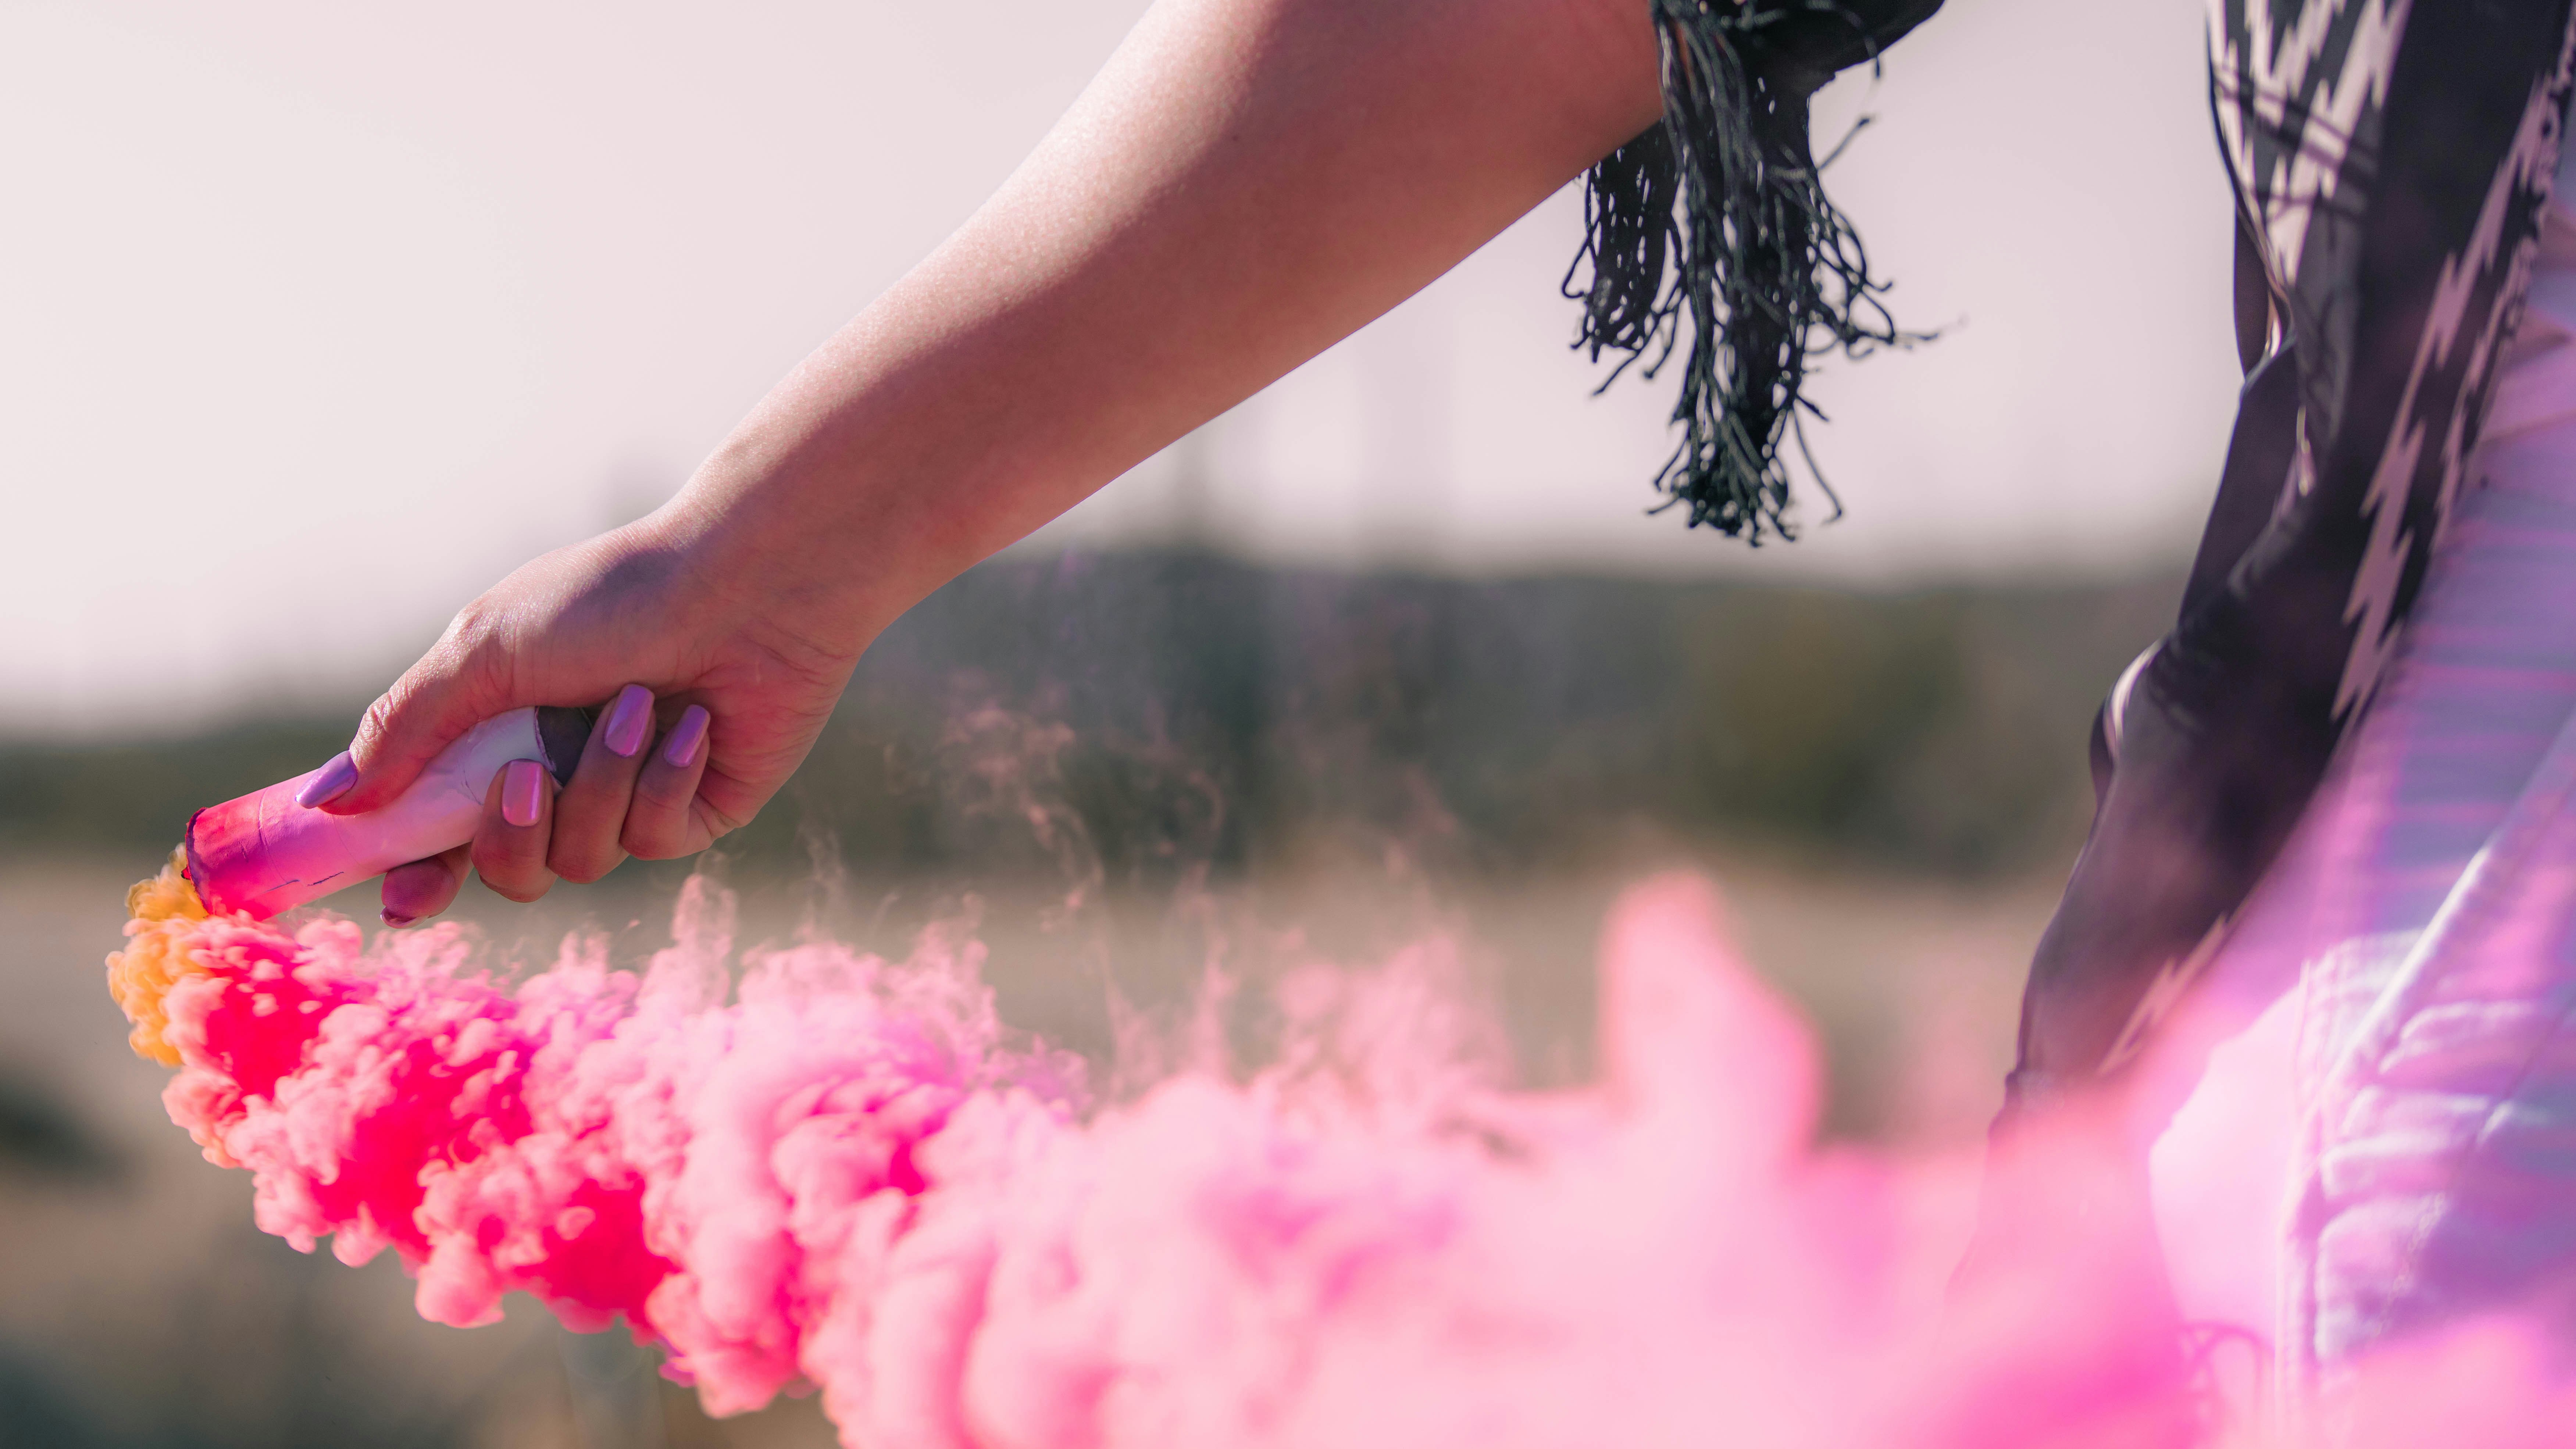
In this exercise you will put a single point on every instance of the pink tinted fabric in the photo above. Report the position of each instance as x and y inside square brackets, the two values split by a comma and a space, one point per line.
[2376, 1132]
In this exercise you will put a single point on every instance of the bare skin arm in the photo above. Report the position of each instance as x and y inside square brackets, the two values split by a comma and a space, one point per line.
[1246, 183]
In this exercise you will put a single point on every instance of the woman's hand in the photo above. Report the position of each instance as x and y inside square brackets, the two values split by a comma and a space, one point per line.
[707, 704]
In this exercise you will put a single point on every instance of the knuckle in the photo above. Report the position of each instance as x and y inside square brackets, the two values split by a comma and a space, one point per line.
[584, 846]
[499, 861]
[475, 643]
[377, 722]
[655, 841]
[720, 822]
[664, 793]
[513, 879]
[469, 626]
[581, 865]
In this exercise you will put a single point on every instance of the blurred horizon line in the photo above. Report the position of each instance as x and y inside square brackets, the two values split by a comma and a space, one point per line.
[271, 694]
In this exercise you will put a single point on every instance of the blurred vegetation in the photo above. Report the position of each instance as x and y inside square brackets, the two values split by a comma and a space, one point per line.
[1192, 711]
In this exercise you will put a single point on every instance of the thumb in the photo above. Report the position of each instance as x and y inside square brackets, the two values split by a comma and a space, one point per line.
[461, 682]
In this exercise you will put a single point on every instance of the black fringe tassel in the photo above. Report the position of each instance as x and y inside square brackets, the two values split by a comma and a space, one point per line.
[1717, 215]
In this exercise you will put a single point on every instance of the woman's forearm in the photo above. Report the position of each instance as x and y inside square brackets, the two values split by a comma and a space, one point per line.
[1247, 182]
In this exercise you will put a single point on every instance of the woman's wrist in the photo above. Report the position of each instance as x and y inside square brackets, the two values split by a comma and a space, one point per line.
[776, 552]
[880, 469]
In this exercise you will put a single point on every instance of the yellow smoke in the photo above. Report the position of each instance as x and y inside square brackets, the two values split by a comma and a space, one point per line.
[156, 955]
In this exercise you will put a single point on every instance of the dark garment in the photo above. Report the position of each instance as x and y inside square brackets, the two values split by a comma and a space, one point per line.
[2390, 165]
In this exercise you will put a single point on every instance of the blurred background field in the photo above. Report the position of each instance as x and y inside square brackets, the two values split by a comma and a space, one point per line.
[1124, 768]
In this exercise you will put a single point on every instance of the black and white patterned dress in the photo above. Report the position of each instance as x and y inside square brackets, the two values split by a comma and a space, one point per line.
[2391, 180]
[2324, 929]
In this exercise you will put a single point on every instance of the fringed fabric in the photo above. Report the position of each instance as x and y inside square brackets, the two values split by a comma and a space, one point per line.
[1716, 221]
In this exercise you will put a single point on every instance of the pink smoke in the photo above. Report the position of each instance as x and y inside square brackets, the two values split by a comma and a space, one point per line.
[844, 1172]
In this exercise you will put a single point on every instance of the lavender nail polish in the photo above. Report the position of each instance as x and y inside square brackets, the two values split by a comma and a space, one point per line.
[522, 792]
[398, 920]
[686, 736]
[629, 719]
[329, 783]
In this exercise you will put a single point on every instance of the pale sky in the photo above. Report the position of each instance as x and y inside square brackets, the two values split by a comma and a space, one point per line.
[316, 318]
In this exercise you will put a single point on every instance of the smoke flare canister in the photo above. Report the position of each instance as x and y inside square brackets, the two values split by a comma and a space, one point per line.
[264, 854]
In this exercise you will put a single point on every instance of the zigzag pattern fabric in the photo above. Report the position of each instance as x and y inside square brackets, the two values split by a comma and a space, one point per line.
[2391, 163]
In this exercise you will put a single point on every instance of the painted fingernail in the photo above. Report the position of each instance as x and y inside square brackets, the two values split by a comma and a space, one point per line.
[522, 792]
[329, 783]
[686, 736]
[628, 719]
[398, 920]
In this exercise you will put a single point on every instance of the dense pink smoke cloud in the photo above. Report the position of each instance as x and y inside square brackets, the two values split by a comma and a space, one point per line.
[832, 1170]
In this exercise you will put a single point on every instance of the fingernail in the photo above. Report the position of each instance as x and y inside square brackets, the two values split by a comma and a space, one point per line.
[628, 719]
[329, 783]
[686, 736]
[398, 920]
[522, 792]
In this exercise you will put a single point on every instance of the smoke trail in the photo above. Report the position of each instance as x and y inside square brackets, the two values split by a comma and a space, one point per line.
[843, 1172]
